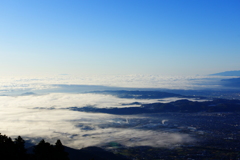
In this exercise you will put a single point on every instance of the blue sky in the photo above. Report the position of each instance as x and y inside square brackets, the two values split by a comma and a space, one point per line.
[166, 37]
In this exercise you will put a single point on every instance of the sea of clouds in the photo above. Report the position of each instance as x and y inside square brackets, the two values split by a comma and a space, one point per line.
[36, 108]
[21, 84]
[45, 116]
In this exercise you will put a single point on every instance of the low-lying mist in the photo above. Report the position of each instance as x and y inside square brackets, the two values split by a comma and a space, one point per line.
[37, 108]
[45, 116]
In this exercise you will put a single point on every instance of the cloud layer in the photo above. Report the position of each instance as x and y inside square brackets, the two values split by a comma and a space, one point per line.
[17, 85]
[45, 116]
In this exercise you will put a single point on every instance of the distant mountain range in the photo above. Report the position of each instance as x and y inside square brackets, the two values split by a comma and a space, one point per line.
[232, 82]
[227, 73]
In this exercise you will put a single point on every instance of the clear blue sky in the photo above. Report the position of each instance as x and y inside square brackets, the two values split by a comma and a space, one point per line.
[176, 37]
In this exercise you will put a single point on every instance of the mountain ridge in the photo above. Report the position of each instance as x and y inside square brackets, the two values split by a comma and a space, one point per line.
[227, 73]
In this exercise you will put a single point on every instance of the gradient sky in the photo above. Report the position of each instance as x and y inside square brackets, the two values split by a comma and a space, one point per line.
[164, 37]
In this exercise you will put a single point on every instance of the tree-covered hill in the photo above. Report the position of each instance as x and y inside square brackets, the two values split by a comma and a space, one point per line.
[15, 150]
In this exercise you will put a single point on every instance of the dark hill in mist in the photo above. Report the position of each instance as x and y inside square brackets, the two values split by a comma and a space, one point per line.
[140, 94]
[233, 82]
[181, 106]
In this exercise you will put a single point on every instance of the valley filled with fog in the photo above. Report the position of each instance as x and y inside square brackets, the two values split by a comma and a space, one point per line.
[41, 108]
[46, 116]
